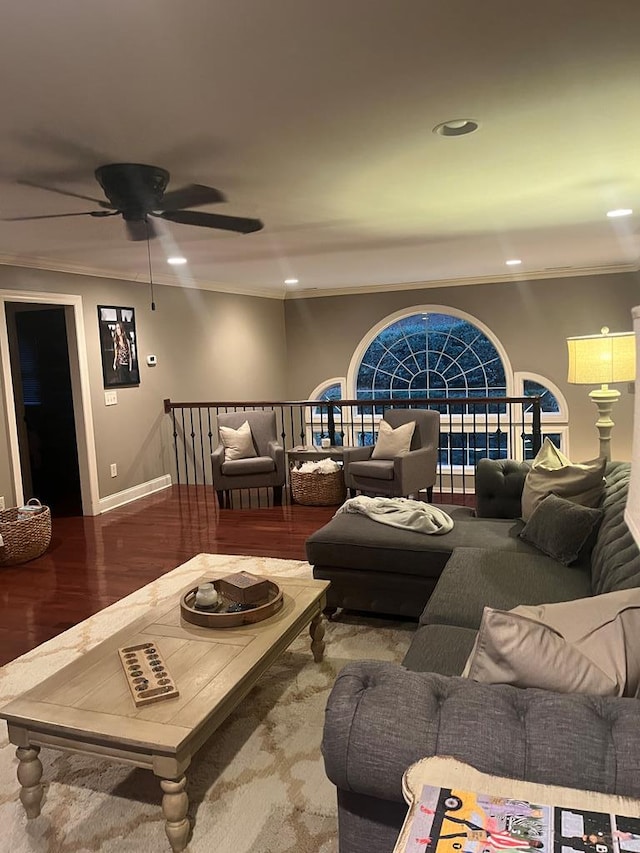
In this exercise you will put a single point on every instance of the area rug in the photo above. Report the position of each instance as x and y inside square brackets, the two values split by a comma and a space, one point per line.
[257, 785]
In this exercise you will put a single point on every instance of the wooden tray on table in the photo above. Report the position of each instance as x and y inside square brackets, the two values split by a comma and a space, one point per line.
[220, 619]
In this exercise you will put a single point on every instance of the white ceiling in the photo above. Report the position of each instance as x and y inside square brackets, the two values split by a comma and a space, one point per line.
[317, 118]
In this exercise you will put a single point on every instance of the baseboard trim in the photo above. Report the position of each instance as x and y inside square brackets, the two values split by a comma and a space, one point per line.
[142, 490]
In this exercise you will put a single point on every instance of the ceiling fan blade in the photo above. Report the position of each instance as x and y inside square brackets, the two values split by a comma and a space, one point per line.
[140, 229]
[58, 215]
[193, 195]
[64, 192]
[213, 220]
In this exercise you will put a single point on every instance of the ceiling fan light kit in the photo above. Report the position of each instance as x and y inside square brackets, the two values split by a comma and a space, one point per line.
[137, 192]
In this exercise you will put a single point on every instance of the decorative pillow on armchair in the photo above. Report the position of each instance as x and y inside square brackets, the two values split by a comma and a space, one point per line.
[392, 442]
[238, 443]
[591, 646]
[562, 529]
[551, 472]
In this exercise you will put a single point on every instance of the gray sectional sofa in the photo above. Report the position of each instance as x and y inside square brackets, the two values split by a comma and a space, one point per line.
[380, 569]
[382, 717]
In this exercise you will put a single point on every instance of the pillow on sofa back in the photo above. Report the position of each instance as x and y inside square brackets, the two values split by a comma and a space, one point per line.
[392, 442]
[562, 529]
[587, 646]
[551, 472]
[238, 443]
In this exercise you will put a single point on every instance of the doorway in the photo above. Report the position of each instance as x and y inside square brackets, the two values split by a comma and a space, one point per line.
[43, 396]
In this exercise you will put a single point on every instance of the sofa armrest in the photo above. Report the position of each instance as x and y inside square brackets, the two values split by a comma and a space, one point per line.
[381, 718]
[499, 484]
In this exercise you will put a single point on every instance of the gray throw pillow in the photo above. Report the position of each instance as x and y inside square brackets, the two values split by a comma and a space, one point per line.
[552, 473]
[561, 528]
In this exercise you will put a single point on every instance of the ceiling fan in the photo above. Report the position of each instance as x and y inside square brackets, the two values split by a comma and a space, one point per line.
[137, 192]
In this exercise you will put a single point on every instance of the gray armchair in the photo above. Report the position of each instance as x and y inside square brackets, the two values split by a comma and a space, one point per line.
[264, 470]
[405, 474]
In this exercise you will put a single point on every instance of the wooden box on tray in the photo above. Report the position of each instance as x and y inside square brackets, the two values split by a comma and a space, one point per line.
[244, 588]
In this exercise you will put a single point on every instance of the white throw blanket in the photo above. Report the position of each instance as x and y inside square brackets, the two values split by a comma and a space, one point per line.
[401, 512]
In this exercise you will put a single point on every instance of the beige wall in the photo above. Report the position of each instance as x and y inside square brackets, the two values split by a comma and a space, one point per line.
[208, 345]
[531, 319]
[216, 346]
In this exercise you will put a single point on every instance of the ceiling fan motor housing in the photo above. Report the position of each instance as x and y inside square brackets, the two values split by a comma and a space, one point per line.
[133, 188]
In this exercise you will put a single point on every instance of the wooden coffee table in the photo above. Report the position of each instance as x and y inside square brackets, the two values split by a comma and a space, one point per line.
[87, 706]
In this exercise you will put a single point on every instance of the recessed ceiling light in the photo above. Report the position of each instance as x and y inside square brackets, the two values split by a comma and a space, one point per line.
[456, 127]
[291, 281]
[514, 262]
[176, 261]
[621, 211]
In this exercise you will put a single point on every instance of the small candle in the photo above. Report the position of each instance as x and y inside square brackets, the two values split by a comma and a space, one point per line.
[206, 595]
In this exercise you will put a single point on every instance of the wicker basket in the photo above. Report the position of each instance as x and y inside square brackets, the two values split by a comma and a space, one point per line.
[24, 538]
[315, 489]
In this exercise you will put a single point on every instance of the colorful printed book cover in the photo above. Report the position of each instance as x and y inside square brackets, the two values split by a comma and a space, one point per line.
[455, 821]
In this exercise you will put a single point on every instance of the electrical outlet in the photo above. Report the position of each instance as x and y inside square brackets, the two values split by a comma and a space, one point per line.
[110, 398]
[2, 502]
[114, 469]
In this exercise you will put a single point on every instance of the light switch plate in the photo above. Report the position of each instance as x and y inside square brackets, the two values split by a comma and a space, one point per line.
[110, 398]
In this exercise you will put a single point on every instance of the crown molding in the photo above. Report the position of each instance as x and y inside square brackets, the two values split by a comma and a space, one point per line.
[160, 279]
[531, 275]
[278, 292]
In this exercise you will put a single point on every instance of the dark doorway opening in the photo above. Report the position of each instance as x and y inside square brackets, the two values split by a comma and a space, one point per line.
[44, 406]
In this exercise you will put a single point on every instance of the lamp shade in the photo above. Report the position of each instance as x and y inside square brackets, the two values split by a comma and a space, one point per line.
[632, 510]
[602, 359]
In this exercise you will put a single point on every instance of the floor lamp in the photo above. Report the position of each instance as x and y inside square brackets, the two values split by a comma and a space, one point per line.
[603, 359]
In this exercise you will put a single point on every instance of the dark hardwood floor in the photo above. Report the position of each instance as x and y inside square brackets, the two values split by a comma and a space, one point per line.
[93, 562]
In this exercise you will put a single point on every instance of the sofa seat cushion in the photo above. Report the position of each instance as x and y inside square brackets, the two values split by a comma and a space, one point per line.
[353, 541]
[474, 578]
[242, 467]
[440, 648]
[379, 469]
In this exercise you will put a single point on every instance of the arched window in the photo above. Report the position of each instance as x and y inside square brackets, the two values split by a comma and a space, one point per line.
[554, 412]
[548, 400]
[317, 420]
[431, 355]
[439, 352]
[435, 353]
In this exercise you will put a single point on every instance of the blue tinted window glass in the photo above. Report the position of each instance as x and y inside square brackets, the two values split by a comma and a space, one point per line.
[548, 401]
[332, 392]
[467, 448]
[555, 437]
[431, 355]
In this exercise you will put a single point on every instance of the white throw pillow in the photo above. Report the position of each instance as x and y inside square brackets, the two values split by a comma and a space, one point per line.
[392, 442]
[238, 443]
[591, 645]
[552, 473]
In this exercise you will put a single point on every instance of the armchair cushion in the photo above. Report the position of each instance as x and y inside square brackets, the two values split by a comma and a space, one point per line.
[380, 469]
[393, 442]
[238, 443]
[242, 467]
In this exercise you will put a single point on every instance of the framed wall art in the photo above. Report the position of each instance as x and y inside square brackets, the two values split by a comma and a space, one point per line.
[118, 346]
